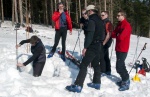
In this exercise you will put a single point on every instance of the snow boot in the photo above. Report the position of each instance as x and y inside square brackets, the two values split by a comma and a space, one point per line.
[93, 85]
[63, 58]
[108, 72]
[118, 83]
[74, 88]
[124, 85]
[50, 55]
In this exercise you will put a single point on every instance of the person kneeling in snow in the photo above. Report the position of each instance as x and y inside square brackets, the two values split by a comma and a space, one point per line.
[39, 55]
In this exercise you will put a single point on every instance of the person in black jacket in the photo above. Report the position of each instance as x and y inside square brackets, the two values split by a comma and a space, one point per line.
[105, 60]
[92, 47]
[39, 55]
[84, 21]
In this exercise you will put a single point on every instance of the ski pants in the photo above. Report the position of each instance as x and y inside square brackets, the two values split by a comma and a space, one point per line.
[120, 65]
[104, 60]
[62, 32]
[38, 68]
[91, 56]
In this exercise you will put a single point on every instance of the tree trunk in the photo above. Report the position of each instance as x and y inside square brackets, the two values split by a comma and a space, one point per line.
[16, 12]
[13, 12]
[100, 6]
[77, 20]
[67, 4]
[95, 2]
[46, 13]
[105, 5]
[2, 10]
[80, 8]
[55, 5]
[69, 7]
[21, 13]
[149, 28]
[111, 12]
[85, 3]
[52, 11]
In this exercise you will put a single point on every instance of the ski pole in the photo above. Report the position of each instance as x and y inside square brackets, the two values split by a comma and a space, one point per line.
[18, 68]
[76, 43]
[135, 55]
[144, 47]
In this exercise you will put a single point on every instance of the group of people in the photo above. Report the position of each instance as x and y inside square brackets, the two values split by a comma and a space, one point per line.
[98, 31]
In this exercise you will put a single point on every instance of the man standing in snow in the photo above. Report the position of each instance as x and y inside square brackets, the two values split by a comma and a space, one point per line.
[105, 61]
[62, 23]
[122, 34]
[39, 55]
[92, 46]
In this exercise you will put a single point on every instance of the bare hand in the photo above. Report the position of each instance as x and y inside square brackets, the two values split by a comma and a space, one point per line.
[17, 46]
[103, 43]
[83, 52]
[20, 64]
[81, 25]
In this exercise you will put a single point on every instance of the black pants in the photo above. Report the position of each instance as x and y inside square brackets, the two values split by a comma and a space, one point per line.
[62, 32]
[120, 65]
[38, 68]
[91, 56]
[104, 60]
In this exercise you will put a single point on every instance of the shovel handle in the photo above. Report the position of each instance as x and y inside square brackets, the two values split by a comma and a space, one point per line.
[144, 46]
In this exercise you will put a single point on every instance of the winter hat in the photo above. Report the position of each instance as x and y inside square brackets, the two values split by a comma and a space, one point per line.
[89, 7]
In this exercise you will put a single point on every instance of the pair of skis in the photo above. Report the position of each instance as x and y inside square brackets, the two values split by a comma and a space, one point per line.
[70, 57]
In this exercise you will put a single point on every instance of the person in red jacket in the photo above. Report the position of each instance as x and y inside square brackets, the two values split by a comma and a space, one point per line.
[62, 24]
[122, 34]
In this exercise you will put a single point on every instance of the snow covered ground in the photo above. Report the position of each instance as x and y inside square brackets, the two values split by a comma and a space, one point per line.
[57, 74]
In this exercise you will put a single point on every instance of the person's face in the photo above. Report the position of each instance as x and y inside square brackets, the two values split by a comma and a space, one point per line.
[104, 15]
[120, 17]
[61, 6]
[84, 14]
[89, 12]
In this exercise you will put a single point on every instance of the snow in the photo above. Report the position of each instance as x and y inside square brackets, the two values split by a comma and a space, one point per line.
[58, 74]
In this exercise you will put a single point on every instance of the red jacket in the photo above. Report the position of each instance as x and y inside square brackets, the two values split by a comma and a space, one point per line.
[122, 34]
[56, 18]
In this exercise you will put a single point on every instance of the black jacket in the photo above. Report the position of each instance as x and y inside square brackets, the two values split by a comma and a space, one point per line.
[38, 51]
[95, 30]
[85, 23]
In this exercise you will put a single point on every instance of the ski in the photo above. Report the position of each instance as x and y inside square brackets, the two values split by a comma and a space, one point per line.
[71, 58]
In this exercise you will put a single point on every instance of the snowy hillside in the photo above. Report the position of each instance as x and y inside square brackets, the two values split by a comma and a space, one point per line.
[57, 74]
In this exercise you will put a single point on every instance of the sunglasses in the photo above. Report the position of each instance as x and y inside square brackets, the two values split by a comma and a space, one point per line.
[84, 13]
[118, 15]
[61, 6]
[102, 15]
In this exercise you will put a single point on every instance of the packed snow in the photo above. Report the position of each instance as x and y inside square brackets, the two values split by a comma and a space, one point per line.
[58, 74]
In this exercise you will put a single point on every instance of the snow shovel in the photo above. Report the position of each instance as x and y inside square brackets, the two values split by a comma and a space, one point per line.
[136, 78]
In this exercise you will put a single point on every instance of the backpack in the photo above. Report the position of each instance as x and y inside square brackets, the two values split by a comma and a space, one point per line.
[29, 29]
[145, 65]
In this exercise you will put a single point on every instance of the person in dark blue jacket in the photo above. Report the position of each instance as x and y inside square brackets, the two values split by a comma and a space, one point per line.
[39, 55]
